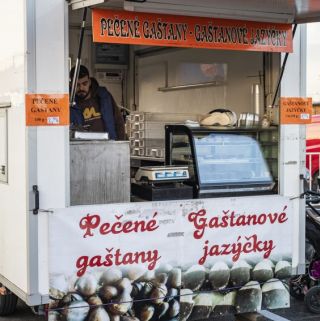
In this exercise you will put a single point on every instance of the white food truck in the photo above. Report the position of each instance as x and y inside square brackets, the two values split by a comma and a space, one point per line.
[218, 218]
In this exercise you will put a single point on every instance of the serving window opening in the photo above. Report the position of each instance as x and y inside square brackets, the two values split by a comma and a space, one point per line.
[156, 88]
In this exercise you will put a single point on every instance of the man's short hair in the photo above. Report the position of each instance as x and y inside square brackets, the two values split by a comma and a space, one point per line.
[82, 72]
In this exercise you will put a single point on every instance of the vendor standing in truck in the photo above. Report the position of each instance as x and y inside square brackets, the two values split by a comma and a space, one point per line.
[95, 107]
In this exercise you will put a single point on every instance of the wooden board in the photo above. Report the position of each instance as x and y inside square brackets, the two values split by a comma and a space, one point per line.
[99, 172]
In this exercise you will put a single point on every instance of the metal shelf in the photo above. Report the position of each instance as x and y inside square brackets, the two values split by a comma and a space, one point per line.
[199, 85]
[157, 159]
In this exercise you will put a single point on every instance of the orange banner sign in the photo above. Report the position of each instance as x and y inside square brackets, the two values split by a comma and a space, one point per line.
[295, 110]
[125, 27]
[47, 110]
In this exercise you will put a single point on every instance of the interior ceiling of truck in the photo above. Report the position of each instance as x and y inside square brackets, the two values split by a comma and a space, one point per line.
[282, 11]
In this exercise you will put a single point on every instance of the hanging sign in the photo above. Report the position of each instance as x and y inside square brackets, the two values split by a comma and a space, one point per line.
[295, 110]
[47, 109]
[125, 27]
[194, 258]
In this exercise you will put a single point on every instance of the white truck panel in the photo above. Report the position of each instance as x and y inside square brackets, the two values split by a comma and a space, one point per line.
[292, 146]
[51, 145]
[33, 60]
[13, 195]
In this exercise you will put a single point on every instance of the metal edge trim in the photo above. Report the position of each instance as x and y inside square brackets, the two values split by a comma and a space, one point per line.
[5, 104]
[29, 299]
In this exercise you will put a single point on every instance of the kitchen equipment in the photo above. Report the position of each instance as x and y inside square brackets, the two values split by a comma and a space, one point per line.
[248, 120]
[220, 117]
[91, 135]
[162, 183]
[273, 114]
[162, 173]
[146, 131]
[221, 160]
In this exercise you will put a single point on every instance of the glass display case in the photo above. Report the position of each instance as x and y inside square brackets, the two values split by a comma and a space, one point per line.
[221, 160]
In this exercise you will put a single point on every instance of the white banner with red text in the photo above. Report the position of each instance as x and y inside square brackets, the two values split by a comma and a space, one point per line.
[170, 260]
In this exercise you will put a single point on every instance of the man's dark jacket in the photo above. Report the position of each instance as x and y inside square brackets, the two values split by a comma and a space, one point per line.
[111, 115]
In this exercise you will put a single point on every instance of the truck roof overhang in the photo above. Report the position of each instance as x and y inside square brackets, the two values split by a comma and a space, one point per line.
[280, 11]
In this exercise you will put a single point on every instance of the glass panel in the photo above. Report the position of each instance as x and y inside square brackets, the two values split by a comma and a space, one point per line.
[181, 152]
[229, 158]
[269, 141]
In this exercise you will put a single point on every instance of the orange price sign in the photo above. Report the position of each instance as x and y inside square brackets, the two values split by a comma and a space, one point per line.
[47, 109]
[295, 110]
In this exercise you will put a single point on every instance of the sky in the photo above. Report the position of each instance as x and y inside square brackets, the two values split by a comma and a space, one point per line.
[313, 61]
[12, 39]
[12, 49]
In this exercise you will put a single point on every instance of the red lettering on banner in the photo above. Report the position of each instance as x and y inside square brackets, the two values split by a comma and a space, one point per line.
[91, 222]
[88, 223]
[283, 216]
[251, 244]
[201, 222]
[117, 258]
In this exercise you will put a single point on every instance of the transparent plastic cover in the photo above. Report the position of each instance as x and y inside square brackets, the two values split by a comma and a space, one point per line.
[229, 158]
